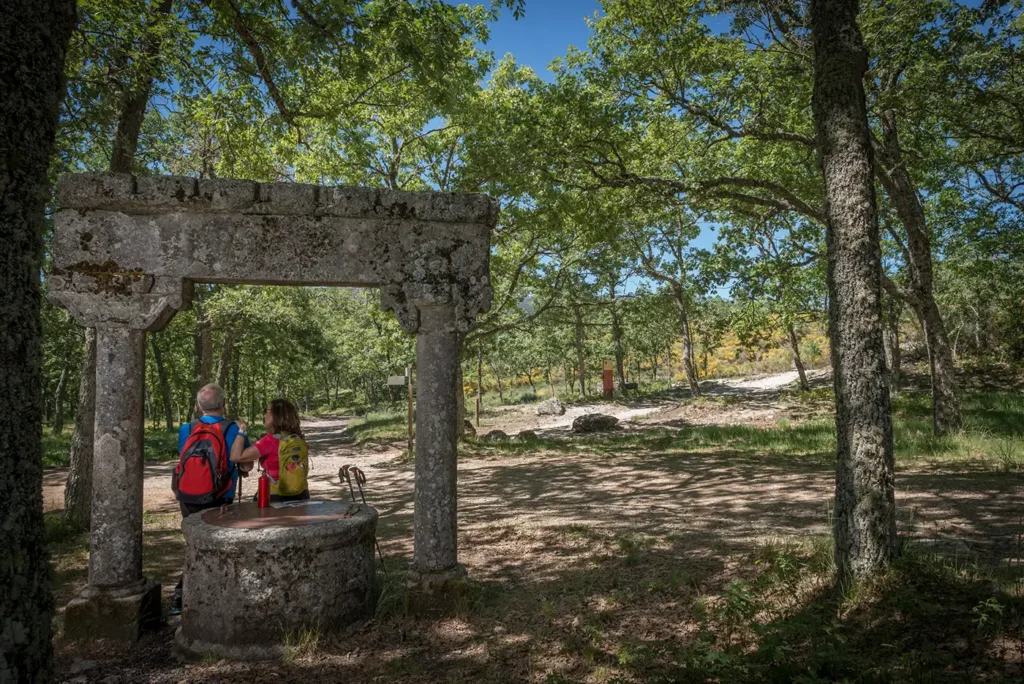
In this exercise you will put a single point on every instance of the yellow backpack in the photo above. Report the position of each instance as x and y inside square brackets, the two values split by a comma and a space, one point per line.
[293, 465]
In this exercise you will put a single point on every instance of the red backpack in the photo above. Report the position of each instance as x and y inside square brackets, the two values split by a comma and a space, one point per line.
[201, 476]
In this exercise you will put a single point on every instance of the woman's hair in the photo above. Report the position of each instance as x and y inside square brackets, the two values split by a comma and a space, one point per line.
[285, 417]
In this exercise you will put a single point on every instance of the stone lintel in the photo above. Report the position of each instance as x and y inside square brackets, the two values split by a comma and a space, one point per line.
[175, 194]
[419, 248]
[121, 615]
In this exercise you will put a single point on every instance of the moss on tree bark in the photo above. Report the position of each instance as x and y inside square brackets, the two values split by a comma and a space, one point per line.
[33, 44]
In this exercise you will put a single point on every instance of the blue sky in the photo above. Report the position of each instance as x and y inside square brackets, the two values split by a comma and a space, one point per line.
[546, 32]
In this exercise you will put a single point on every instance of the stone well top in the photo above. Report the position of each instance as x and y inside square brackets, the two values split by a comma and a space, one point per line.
[118, 234]
[247, 515]
[331, 522]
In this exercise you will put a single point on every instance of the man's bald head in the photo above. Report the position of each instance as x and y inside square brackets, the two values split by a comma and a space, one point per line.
[210, 399]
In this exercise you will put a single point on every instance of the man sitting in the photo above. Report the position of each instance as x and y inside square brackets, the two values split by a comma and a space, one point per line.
[206, 445]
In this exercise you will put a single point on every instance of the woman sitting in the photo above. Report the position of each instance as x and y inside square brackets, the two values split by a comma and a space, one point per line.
[282, 452]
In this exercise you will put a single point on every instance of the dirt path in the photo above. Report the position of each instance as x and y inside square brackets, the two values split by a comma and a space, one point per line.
[570, 549]
[559, 544]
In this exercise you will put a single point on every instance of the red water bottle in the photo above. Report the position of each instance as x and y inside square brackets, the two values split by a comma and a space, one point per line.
[263, 493]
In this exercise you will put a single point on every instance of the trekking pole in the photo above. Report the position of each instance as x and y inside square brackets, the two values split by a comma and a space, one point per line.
[343, 475]
[360, 481]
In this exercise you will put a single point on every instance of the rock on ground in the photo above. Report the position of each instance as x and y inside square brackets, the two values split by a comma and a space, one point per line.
[494, 436]
[594, 422]
[526, 436]
[551, 407]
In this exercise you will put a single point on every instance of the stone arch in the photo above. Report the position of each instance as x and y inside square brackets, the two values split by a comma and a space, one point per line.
[127, 250]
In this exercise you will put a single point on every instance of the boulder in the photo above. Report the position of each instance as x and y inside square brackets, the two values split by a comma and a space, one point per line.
[594, 422]
[494, 436]
[551, 407]
[527, 436]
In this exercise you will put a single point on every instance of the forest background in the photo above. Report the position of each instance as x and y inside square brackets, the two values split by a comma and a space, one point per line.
[659, 188]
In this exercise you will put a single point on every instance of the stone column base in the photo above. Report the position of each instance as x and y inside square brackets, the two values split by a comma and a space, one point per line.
[438, 593]
[196, 649]
[121, 614]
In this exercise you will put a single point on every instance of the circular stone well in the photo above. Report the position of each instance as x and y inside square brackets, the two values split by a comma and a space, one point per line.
[255, 576]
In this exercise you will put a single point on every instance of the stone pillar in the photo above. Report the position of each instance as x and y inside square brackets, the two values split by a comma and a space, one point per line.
[437, 361]
[118, 602]
[115, 559]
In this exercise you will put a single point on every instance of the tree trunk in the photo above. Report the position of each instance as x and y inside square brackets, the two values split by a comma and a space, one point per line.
[125, 145]
[794, 348]
[893, 355]
[33, 44]
[235, 406]
[479, 382]
[668, 363]
[136, 99]
[165, 385]
[946, 416]
[865, 511]
[58, 411]
[78, 489]
[617, 343]
[582, 370]
[224, 362]
[689, 367]
[501, 392]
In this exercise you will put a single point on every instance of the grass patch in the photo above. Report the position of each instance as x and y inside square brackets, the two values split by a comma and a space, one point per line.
[927, 619]
[301, 644]
[58, 533]
[380, 425]
[992, 437]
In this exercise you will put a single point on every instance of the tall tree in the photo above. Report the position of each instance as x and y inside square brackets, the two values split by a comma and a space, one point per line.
[865, 509]
[133, 102]
[34, 36]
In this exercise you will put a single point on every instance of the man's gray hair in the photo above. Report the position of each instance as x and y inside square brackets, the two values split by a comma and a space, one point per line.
[210, 398]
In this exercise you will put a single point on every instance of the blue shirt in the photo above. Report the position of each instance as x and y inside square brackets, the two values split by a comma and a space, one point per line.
[229, 439]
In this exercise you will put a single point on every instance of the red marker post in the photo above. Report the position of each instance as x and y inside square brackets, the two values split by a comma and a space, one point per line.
[609, 383]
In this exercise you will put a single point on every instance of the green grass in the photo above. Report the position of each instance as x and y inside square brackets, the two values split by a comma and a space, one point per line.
[927, 619]
[992, 437]
[380, 425]
[158, 445]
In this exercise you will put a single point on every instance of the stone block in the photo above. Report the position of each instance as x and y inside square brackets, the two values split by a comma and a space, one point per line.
[551, 407]
[348, 201]
[165, 192]
[286, 199]
[111, 614]
[594, 422]
[495, 436]
[90, 190]
[227, 195]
